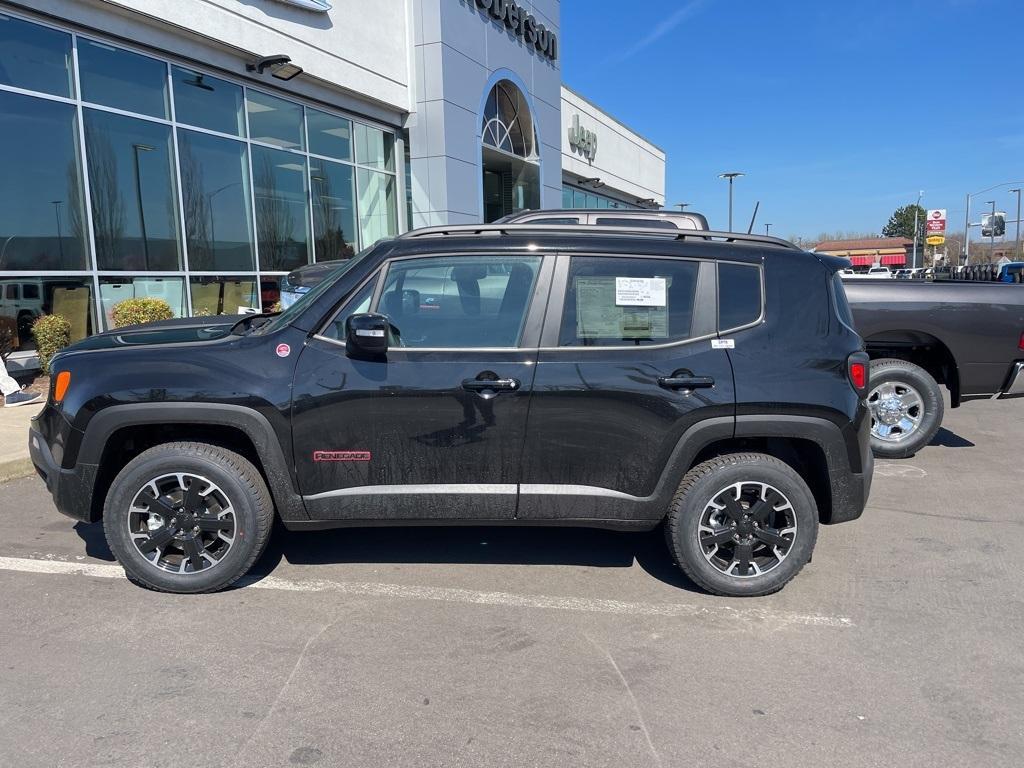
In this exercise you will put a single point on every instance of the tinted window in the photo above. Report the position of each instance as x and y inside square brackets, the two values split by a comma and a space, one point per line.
[122, 79]
[463, 302]
[329, 135]
[282, 209]
[42, 219]
[208, 102]
[375, 148]
[134, 204]
[218, 208]
[12, 291]
[619, 221]
[334, 211]
[274, 121]
[30, 291]
[739, 295]
[34, 57]
[628, 301]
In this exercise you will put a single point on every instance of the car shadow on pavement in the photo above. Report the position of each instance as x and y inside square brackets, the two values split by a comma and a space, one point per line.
[95, 541]
[950, 439]
[495, 545]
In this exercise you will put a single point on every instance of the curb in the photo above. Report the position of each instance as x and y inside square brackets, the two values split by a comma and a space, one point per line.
[15, 469]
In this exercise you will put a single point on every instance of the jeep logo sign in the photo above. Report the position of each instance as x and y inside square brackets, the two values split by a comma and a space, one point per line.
[582, 140]
[523, 24]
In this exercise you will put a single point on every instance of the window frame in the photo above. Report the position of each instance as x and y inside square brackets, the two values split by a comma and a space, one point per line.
[704, 323]
[529, 335]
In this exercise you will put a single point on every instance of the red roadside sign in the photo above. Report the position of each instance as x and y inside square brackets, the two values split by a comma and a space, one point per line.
[936, 220]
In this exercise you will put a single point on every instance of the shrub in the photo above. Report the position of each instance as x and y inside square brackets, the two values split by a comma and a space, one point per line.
[52, 333]
[140, 311]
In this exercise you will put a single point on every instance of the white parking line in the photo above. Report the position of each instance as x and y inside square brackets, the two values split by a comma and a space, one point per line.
[719, 610]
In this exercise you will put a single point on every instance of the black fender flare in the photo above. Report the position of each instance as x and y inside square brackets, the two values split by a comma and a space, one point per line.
[252, 423]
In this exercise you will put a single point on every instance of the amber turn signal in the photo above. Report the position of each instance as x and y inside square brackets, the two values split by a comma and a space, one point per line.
[61, 387]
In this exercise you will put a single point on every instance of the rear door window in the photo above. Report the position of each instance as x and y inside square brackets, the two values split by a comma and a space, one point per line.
[618, 301]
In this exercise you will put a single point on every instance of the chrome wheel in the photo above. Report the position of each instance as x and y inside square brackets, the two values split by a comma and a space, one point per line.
[747, 529]
[181, 523]
[896, 411]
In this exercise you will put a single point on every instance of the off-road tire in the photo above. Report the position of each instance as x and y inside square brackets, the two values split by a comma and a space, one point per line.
[240, 481]
[705, 482]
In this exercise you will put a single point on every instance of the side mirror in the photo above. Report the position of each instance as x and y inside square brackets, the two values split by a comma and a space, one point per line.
[366, 335]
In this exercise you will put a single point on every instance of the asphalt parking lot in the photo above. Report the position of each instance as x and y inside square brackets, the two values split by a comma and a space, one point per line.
[900, 644]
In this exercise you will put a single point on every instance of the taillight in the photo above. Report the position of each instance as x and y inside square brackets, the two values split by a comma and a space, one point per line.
[858, 370]
[1020, 344]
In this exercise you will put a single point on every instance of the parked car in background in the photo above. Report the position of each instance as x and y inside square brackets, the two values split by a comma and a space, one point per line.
[879, 272]
[1011, 273]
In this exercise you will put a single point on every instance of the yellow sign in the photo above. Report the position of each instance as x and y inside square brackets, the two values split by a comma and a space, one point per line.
[935, 240]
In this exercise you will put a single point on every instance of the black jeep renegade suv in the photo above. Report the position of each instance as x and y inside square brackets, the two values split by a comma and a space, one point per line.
[503, 374]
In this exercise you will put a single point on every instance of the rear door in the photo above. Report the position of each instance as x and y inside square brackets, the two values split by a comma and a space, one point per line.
[627, 365]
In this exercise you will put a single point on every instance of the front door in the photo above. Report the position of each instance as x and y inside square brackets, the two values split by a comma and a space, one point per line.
[436, 430]
[627, 365]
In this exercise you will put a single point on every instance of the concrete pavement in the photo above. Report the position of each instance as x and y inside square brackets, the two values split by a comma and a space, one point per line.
[898, 645]
[14, 459]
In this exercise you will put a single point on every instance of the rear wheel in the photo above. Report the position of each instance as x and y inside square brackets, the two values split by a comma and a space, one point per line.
[187, 517]
[742, 525]
[906, 408]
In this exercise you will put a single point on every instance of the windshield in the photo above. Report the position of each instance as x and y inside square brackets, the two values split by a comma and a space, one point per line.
[315, 293]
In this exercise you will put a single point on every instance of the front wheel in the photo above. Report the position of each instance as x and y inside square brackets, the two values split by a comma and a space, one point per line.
[187, 517]
[742, 525]
[906, 408]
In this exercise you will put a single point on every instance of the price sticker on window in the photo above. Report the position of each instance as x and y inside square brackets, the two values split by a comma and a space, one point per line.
[640, 292]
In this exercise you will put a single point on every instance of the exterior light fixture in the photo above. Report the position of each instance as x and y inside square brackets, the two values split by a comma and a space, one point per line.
[593, 181]
[280, 66]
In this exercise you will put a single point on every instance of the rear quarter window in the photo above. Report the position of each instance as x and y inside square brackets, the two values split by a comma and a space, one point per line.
[739, 295]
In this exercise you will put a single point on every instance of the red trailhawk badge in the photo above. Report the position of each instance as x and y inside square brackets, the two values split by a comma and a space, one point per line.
[283, 350]
[342, 456]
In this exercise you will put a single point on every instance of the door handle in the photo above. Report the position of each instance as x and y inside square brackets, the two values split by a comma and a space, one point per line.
[480, 385]
[686, 382]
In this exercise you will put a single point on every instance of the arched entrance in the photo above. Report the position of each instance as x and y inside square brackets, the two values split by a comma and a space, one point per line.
[511, 161]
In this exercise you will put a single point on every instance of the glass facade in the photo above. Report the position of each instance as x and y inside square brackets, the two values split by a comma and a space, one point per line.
[574, 197]
[132, 176]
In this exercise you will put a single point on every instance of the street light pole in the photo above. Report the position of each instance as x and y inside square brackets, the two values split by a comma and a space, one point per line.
[60, 233]
[1016, 248]
[683, 206]
[766, 228]
[917, 209]
[967, 217]
[731, 176]
[991, 230]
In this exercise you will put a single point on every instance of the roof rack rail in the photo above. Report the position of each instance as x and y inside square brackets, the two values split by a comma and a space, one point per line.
[587, 229]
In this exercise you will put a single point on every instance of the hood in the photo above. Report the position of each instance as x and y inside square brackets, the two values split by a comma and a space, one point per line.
[177, 331]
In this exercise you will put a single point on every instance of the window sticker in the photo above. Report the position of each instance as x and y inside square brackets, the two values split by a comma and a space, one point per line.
[640, 291]
[600, 315]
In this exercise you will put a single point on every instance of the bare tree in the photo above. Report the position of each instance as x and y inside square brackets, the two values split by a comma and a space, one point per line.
[197, 211]
[274, 221]
[108, 216]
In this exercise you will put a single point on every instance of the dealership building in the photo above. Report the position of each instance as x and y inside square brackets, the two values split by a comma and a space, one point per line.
[198, 150]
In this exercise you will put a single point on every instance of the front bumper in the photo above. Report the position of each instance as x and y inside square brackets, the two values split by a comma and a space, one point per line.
[71, 489]
[1015, 383]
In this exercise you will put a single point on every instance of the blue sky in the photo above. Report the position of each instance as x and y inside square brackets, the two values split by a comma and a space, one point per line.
[837, 112]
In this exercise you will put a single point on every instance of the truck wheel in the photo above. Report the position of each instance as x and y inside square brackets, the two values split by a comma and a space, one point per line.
[906, 408]
[742, 525]
[187, 517]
